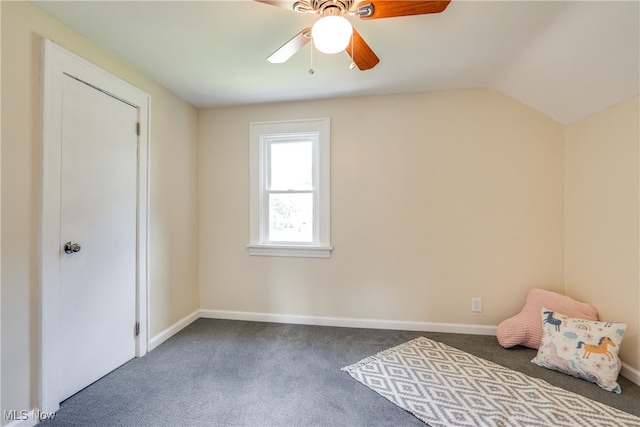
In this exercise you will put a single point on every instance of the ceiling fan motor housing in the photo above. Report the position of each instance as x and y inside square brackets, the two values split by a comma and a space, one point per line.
[323, 7]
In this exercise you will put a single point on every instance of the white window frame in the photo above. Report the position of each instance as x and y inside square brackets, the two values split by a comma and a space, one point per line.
[261, 134]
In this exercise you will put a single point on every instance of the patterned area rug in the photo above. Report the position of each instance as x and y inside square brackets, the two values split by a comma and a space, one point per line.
[444, 386]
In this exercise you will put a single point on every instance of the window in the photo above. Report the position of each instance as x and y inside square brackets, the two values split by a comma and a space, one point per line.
[289, 188]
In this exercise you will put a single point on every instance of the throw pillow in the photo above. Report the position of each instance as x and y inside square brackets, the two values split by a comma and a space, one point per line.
[582, 348]
[525, 327]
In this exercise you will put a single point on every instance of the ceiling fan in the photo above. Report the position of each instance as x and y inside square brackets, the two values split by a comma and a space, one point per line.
[332, 33]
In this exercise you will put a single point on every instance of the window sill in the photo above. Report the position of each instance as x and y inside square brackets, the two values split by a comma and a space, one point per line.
[290, 251]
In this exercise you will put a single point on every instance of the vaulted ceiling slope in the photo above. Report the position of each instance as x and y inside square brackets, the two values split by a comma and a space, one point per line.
[568, 59]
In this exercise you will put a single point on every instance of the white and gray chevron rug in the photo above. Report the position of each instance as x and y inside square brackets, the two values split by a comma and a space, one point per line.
[444, 386]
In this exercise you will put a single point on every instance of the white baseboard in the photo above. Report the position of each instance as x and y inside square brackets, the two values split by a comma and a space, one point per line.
[631, 374]
[173, 329]
[350, 322]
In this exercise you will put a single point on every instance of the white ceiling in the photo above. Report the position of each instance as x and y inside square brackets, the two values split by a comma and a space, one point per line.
[567, 59]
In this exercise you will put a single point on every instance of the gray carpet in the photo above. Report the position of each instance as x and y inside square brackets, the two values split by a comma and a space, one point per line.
[232, 373]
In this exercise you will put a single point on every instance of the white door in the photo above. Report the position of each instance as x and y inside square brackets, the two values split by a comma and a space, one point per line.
[98, 214]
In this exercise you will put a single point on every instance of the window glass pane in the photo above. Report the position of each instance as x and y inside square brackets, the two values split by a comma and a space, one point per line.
[291, 217]
[291, 166]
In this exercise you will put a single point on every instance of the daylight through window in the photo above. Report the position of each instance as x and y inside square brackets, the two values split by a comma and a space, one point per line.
[291, 184]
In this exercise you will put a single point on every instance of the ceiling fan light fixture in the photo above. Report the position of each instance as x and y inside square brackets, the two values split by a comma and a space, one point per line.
[331, 34]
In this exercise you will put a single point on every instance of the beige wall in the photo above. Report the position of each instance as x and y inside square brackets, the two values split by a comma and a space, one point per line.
[173, 194]
[602, 217]
[435, 198]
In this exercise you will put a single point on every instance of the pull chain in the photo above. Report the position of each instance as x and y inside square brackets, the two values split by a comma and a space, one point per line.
[311, 70]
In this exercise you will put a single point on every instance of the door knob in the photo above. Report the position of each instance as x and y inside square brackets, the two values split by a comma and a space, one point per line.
[71, 247]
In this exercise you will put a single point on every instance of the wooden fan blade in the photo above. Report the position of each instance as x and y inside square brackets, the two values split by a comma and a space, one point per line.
[291, 47]
[361, 53]
[376, 9]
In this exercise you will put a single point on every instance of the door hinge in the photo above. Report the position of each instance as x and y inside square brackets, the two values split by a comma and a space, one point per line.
[138, 128]
[136, 328]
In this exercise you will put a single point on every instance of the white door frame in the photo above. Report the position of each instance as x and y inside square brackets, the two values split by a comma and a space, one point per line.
[56, 63]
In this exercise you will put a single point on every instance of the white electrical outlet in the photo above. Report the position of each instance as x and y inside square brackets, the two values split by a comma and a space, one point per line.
[476, 305]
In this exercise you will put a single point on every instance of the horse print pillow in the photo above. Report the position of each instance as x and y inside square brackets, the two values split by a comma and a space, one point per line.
[582, 348]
